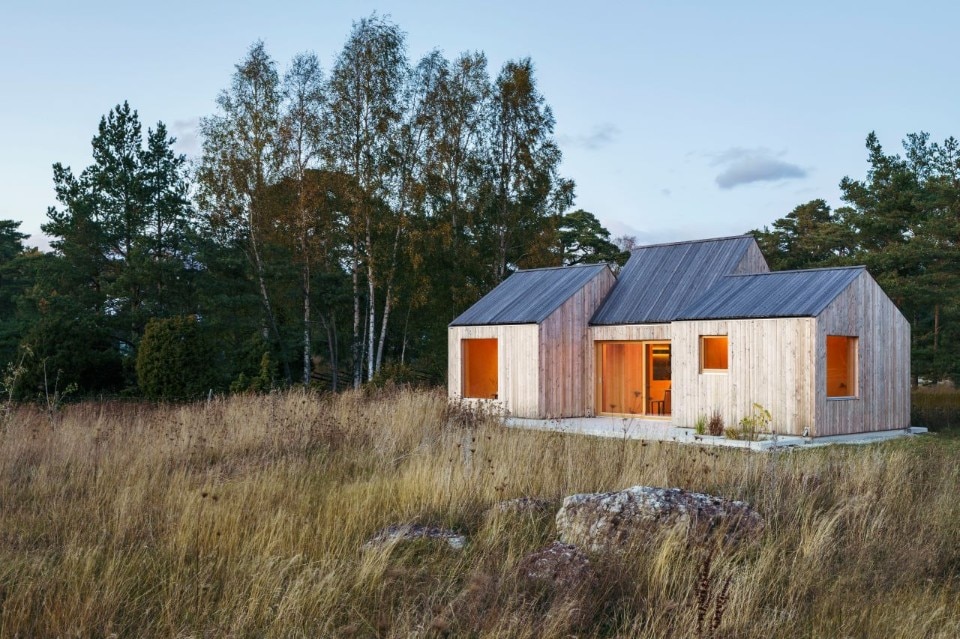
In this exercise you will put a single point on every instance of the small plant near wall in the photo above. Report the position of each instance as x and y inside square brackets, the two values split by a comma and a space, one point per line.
[731, 432]
[700, 426]
[752, 425]
[715, 424]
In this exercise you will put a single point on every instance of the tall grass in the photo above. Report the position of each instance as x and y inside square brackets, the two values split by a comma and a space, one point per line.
[245, 517]
[936, 407]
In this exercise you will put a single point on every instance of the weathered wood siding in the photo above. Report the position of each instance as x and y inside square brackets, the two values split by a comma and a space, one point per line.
[752, 261]
[864, 311]
[771, 362]
[630, 333]
[518, 356]
[566, 359]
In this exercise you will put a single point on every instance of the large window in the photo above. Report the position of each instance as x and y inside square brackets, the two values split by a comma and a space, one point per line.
[479, 368]
[713, 353]
[634, 378]
[841, 366]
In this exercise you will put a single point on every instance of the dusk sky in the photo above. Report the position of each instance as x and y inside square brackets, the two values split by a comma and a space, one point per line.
[677, 120]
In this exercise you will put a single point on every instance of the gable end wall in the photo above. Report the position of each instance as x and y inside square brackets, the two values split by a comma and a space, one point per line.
[752, 261]
[517, 364]
[863, 310]
[565, 353]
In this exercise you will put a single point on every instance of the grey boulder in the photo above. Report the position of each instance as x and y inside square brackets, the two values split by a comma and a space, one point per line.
[615, 521]
[416, 532]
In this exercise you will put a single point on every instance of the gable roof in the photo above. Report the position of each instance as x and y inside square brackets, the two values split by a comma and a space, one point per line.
[529, 297]
[804, 293]
[661, 280]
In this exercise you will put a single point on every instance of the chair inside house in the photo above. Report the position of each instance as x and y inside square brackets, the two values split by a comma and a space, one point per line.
[661, 406]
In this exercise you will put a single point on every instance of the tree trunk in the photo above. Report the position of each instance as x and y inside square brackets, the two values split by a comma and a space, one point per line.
[371, 286]
[331, 329]
[936, 327]
[406, 325]
[306, 323]
[501, 267]
[271, 319]
[356, 344]
[388, 302]
[363, 342]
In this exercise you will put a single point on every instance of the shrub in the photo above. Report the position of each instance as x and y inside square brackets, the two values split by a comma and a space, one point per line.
[174, 359]
[263, 382]
[397, 374]
[68, 352]
[715, 425]
[700, 426]
[731, 432]
[758, 421]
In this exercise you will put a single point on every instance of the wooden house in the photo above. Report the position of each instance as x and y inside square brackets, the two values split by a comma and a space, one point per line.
[686, 330]
[522, 346]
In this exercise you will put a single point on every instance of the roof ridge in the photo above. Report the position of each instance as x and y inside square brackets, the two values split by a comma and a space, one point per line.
[556, 268]
[703, 241]
[801, 270]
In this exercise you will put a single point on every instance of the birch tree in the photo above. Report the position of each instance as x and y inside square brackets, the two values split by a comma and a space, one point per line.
[456, 156]
[242, 157]
[302, 134]
[363, 115]
[407, 175]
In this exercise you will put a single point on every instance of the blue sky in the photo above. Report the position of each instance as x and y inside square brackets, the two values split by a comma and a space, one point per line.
[677, 119]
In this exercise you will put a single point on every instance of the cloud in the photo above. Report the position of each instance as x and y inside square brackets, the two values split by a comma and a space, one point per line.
[600, 135]
[188, 139]
[745, 166]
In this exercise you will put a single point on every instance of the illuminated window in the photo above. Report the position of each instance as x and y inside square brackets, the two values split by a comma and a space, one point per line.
[479, 368]
[841, 366]
[713, 353]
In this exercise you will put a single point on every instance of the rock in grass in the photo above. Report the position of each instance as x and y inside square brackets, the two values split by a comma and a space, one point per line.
[416, 532]
[614, 521]
[558, 566]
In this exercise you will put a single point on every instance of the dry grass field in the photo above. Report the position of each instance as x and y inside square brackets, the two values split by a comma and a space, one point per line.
[245, 517]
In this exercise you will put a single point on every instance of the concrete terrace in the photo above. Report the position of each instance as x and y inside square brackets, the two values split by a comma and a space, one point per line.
[663, 430]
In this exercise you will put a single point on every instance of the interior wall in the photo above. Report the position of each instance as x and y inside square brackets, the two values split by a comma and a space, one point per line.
[658, 379]
[622, 391]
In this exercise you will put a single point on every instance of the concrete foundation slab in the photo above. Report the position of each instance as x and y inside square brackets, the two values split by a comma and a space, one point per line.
[663, 430]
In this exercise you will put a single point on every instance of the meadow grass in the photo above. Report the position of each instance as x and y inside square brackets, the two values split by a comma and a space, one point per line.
[245, 517]
[935, 407]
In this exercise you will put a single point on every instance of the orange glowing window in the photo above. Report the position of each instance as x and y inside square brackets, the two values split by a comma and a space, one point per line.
[479, 368]
[841, 366]
[713, 353]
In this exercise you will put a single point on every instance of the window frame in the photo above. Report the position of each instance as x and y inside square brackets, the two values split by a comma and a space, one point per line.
[853, 367]
[714, 371]
[466, 377]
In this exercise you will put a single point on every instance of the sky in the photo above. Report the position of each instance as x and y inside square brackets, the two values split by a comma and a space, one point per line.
[677, 120]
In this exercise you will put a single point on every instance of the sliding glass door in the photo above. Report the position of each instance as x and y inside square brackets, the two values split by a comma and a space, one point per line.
[633, 378]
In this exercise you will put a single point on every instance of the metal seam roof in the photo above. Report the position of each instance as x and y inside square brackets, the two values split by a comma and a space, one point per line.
[530, 296]
[802, 293]
[661, 280]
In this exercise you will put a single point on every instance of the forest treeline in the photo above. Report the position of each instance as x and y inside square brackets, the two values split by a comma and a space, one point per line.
[902, 221]
[337, 219]
[334, 223]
